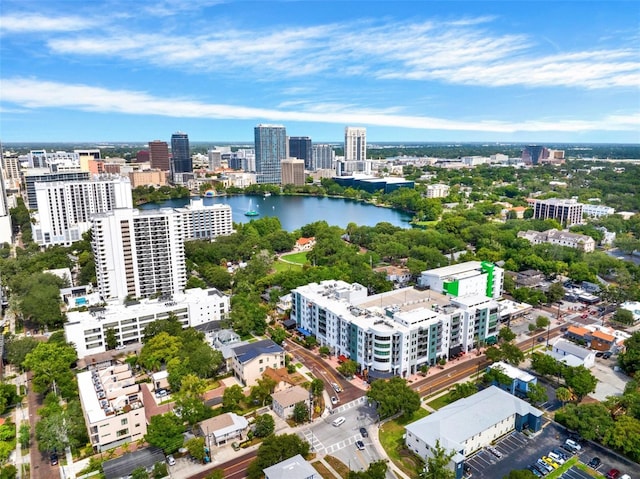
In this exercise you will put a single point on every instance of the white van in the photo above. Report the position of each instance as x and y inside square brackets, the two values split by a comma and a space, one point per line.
[338, 421]
[573, 445]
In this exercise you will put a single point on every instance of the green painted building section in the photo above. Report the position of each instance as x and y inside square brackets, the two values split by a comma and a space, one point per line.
[451, 287]
[488, 268]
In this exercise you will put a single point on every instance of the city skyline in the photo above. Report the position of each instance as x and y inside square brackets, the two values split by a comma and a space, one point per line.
[522, 72]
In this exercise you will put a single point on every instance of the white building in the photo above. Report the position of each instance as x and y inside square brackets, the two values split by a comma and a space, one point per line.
[293, 468]
[470, 424]
[437, 190]
[392, 333]
[285, 401]
[141, 253]
[65, 207]
[470, 278]
[571, 354]
[562, 238]
[355, 143]
[6, 230]
[87, 329]
[113, 407]
[597, 211]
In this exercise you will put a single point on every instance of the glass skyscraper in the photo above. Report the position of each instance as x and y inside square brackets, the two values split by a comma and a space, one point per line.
[301, 147]
[271, 149]
[180, 155]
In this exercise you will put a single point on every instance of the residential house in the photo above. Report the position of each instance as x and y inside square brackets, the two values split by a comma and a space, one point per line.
[223, 428]
[601, 341]
[281, 377]
[399, 276]
[571, 354]
[249, 361]
[305, 244]
[521, 380]
[295, 467]
[284, 401]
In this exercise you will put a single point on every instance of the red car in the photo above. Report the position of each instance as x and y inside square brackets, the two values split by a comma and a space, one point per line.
[613, 474]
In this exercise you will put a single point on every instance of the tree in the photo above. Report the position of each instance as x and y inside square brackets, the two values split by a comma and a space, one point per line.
[506, 335]
[394, 396]
[623, 316]
[512, 353]
[165, 431]
[317, 386]
[555, 292]
[160, 470]
[51, 365]
[438, 464]
[463, 390]
[18, 348]
[263, 389]
[310, 342]
[629, 360]
[591, 421]
[300, 412]
[580, 380]
[275, 449]
[563, 395]
[195, 446]
[110, 338]
[264, 425]
[376, 470]
[139, 473]
[542, 322]
[231, 398]
[537, 394]
[324, 351]
[158, 350]
[348, 368]
[545, 365]
[170, 325]
[278, 335]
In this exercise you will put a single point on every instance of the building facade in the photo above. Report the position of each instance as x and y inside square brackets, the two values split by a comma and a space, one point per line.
[438, 190]
[355, 143]
[464, 279]
[65, 207]
[153, 177]
[113, 407]
[597, 211]
[87, 329]
[270, 150]
[562, 238]
[293, 172]
[249, 361]
[6, 229]
[284, 401]
[301, 147]
[324, 157]
[180, 153]
[159, 155]
[392, 333]
[567, 212]
[31, 178]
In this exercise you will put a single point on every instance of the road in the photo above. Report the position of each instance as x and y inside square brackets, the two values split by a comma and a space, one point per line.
[234, 469]
[40, 465]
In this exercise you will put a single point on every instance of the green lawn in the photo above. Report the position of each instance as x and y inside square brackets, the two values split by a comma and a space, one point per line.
[300, 258]
[391, 439]
[281, 267]
[440, 401]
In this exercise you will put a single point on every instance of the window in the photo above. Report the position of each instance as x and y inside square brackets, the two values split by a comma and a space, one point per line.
[123, 422]
[122, 432]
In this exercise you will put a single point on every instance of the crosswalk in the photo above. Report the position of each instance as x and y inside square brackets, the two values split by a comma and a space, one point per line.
[318, 447]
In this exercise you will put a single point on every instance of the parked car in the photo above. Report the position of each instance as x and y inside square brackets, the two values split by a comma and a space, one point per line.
[551, 462]
[561, 453]
[607, 355]
[336, 388]
[544, 465]
[535, 471]
[171, 460]
[556, 457]
[360, 445]
[572, 445]
[334, 400]
[594, 462]
[53, 458]
[599, 354]
[363, 432]
[613, 474]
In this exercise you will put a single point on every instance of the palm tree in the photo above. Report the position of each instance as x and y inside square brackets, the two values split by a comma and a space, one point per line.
[564, 395]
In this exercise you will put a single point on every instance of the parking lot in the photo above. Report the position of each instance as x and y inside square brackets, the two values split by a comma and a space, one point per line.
[519, 451]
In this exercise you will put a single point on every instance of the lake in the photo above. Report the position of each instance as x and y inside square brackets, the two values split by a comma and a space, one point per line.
[297, 211]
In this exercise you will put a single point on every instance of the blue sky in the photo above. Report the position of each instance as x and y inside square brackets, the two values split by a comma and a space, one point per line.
[122, 70]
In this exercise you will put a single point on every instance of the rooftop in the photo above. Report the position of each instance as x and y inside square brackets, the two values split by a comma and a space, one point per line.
[513, 372]
[247, 352]
[291, 396]
[223, 424]
[570, 348]
[293, 468]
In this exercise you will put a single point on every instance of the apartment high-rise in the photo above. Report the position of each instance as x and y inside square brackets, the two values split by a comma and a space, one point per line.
[567, 211]
[31, 179]
[355, 143]
[534, 154]
[141, 253]
[324, 157]
[301, 147]
[293, 172]
[270, 150]
[159, 155]
[6, 230]
[65, 207]
[180, 153]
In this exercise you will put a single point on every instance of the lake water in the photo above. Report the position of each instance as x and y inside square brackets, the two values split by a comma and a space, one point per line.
[297, 211]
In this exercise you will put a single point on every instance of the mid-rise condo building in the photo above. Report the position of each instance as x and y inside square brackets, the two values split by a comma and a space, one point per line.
[392, 333]
[465, 279]
[567, 211]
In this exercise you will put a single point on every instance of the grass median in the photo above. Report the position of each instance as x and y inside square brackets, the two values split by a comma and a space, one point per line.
[391, 433]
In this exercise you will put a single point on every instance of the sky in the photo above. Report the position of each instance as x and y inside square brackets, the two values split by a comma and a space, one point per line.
[413, 71]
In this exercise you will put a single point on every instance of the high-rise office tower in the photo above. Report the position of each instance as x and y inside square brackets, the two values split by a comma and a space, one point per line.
[323, 157]
[138, 253]
[271, 149]
[6, 231]
[65, 207]
[159, 155]
[355, 143]
[533, 154]
[180, 153]
[301, 147]
[293, 172]
[566, 211]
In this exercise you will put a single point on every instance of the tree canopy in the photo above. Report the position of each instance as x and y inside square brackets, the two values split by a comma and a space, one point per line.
[394, 396]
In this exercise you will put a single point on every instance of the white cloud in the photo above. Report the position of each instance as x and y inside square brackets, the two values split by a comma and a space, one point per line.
[35, 94]
[463, 51]
[40, 23]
